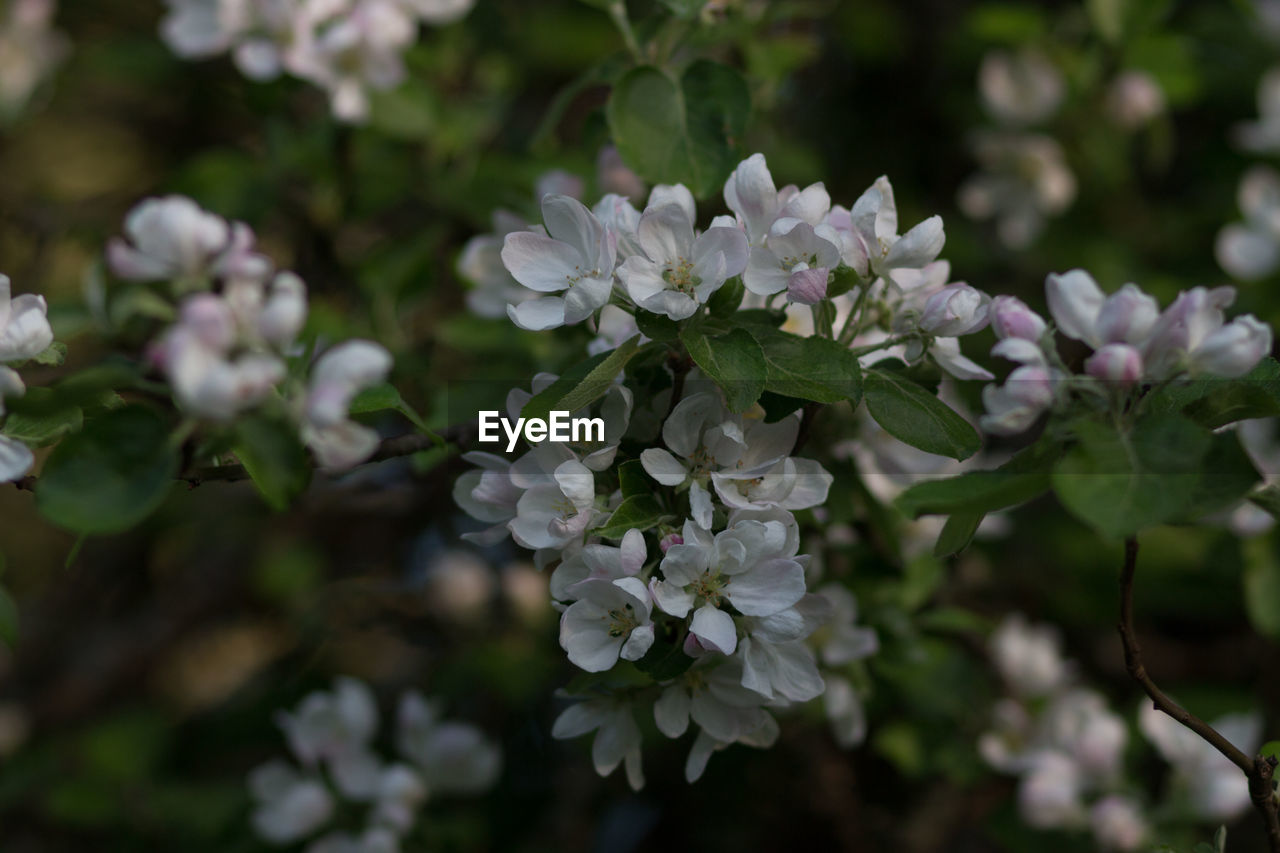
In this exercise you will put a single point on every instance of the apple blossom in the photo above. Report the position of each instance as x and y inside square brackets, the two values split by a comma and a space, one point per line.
[617, 739]
[338, 375]
[1024, 180]
[1022, 88]
[1250, 250]
[610, 620]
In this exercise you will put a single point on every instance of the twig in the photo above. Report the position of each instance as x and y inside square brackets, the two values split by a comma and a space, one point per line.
[1258, 769]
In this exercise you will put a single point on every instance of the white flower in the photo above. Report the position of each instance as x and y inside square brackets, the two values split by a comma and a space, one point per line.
[30, 50]
[1211, 785]
[614, 409]
[1028, 657]
[331, 726]
[1192, 335]
[1084, 313]
[677, 271]
[876, 247]
[24, 326]
[400, 793]
[487, 494]
[290, 806]
[16, 459]
[796, 258]
[956, 309]
[762, 736]
[554, 511]
[575, 257]
[1050, 794]
[338, 376]
[617, 737]
[1011, 318]
[1263, 136]
[1024, 179]
[844, 712]
[1250, 250]
[1079, 723]
[1118, 824]
[609, 620]
[750, 193]
[1013, 407]
[1019, 89]
[775, 660]
[1134, 99]
[173, 238]
[713, 696]
[454, 757]
[748, 565]
[599, 562]
[481, 264]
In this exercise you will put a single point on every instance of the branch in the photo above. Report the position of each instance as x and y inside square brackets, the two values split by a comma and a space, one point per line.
[1258, 769]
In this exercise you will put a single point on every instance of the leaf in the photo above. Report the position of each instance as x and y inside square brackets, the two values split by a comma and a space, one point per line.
[582, 385]
[683, 132]
[1261, 580]
[727, 299]
[640, 512]
[911, 414]
[658, 327]
[1166, 469]
[53, 356]
[8, 619]
[1213, 402]
[817, 369]
[734, 361]
[43, 421]
[632, 479]
[664, 661]
[110, 475]
[973, 492]
[776, 406]
[957, 533]
[379, 398]
[275, 458]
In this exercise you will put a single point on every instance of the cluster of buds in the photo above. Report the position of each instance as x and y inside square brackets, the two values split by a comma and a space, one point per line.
[24, 335]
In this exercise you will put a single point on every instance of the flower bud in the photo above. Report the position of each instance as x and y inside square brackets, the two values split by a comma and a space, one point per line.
[1074, 301]
[209, 319]
[957, 309]
[670, 539]
[1234, 349]
[1120, 363]
[1011, 318]
[1127, 316]
[809, 286]
[285, 311]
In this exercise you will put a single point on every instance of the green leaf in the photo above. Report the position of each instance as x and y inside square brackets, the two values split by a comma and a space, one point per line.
[727, 299]
[275, 458]
[658, 327]
[734, 361]
[664, 661]
[1261, 581]
[54, 355]
[44, 420]
[973, 492]
[110, 475]
[582, 385]
[1213, 402]
[640, 512]
[633, 480]
[379, 398]
[1166, 469]
[8, 619]
[817, 369]
[683, 132]
[776, 406]
[957, 533]
[911, 414]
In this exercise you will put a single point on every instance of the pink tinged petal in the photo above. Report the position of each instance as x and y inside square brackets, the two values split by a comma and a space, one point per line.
[1075, 301]
[633, 552]
[957, 309]
[541, 263]
[1011, 318]
[342, 446]
[538, 315]
[919, 246]
[1118, 363]
[671, 711]
[808, 287]
[810, 204]
[663, 467]
[751, 193]
[569, 221]
[1020, 350]
[130, 264]
[1127, 316]
[1234, 349]
[715, 628]
[771, 586]
[27, 334]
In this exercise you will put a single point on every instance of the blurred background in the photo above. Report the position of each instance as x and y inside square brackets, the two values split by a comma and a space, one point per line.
[141, 688]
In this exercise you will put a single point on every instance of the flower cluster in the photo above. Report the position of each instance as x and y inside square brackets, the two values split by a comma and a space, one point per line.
[30, 50]
[1024, 178]
[346, 47]
[1068, 747]
[236, 329]
[331, 736]
[1133, 342]
[24, 335]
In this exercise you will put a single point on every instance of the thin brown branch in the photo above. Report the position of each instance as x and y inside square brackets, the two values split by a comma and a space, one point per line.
[1258, 769]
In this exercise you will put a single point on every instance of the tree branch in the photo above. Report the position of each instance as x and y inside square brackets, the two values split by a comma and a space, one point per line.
[1258, 769]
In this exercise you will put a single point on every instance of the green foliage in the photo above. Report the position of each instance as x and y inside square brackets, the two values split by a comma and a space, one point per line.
[639, 512]
[735, 361]
[814, 369]
[582, 384]
[111, 475]
[45, 419]
[680, 131]
[914, 415]
[273, 455]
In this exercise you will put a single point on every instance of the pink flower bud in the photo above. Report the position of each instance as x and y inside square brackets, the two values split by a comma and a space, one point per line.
[808, 287]
[1011, 318]
[1120, 363]
[957, 309]
[209, 318]
[1127, 316]
[1234, 349]
[670, 539]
